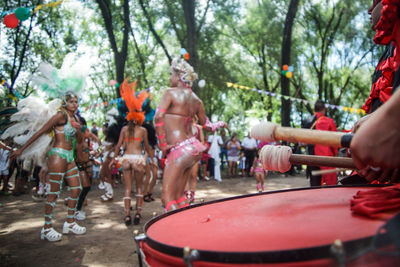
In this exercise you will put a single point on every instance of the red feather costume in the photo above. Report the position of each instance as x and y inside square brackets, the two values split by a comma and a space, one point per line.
[134, 103]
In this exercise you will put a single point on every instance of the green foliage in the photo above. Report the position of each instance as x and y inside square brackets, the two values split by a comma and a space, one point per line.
[237, 41]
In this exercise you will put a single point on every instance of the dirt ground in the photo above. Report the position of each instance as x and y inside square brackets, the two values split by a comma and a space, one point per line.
[108, 242]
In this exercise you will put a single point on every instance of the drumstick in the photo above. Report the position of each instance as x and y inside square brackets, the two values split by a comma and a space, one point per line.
[280, 158]
[327, 171]
[268, 132]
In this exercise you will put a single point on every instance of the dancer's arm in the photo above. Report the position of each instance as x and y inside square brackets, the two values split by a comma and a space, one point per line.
[93, 136]
[58, 118]
[206, 123]
[201, 134]
[166, 101]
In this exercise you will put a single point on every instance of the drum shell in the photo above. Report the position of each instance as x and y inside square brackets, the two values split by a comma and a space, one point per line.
[160, 252]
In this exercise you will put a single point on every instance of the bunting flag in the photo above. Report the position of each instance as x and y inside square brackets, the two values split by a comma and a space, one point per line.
[294, 99]
[52, 4]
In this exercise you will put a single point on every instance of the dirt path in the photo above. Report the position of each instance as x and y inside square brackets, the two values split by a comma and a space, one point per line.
[108, 242]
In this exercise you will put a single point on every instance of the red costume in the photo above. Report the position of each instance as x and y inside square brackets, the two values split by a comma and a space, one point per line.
[325, 124]
[386, 77]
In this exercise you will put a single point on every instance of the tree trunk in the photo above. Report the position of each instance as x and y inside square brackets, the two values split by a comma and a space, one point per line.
[189, 9]
[153, 31]
[119, 56]
[286, 45]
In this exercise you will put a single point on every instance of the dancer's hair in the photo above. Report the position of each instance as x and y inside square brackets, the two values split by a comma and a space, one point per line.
[184, 70]
[114, 130]
[131, 129]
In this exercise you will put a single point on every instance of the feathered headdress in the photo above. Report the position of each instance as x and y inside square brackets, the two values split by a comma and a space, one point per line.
[133, 102]
[33, 113]
[70, 79]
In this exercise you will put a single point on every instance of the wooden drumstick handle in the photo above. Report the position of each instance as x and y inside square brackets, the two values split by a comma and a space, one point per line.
[327, 171]
[339, 162]
[268, 132]
[298, 135]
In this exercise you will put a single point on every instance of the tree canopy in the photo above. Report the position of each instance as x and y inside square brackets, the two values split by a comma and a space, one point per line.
[243, 44]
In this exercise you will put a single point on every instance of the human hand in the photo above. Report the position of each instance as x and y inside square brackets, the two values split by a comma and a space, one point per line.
[111, 163]
[377, 174]
[165, 149]
[376, 141]
[226, 126]
[76, 125]
[359, 123]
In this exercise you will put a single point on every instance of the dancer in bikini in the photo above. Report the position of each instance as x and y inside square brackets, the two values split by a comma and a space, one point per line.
[173, 118]
[133, 139]
[151, 165]
[48, 132]
[61, 165]
[190, 188]
[84, 164]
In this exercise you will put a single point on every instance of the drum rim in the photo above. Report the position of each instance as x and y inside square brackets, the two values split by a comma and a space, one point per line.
[278, 256]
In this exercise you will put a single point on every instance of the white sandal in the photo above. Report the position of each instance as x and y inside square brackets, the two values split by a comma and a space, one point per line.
[106, 197]
[50, 234]
[74, 228]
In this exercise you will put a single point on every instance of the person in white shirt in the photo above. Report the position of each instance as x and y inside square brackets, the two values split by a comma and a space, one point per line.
[249, 146]
[216, 141]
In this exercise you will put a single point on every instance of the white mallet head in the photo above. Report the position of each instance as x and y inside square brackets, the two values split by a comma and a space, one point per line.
[264, 131]
[276, 158]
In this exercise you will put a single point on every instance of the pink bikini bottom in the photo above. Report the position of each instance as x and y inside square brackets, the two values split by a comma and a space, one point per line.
[191, 146]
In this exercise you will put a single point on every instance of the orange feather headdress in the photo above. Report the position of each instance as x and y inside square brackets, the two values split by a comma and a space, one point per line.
[133, 103]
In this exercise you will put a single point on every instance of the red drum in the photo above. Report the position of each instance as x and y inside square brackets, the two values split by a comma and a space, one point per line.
[291, 227]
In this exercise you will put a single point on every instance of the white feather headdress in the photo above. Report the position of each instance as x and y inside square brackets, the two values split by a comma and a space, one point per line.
[32, 114]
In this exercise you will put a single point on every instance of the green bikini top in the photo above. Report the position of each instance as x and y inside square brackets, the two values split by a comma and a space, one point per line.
[68, 130]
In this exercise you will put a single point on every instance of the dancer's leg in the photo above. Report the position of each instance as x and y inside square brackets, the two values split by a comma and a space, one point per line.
[74, 184]
[128, 178]
[193, 181]
[139, 194]
[147, 180]
[108, 196]
[86, 184]
[154, 171]
[172, 172]
[57, 166]
[262, 177]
